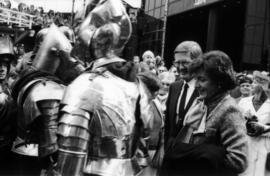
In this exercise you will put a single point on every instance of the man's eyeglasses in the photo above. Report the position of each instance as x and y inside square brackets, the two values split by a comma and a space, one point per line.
[181, 62]
[166, 84]
[161, 71]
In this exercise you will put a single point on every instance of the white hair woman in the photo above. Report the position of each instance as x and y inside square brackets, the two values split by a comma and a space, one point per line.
[166, 78]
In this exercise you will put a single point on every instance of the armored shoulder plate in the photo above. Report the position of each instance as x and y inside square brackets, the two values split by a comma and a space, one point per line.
[87, 91]
[35, 91]
[83, 93]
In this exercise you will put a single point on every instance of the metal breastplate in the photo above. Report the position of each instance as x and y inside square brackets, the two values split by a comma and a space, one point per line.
[99, 121]
[112, 128]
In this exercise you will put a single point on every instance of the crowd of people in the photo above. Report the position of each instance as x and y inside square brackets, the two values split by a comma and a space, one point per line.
[40, 17]
[119, 116]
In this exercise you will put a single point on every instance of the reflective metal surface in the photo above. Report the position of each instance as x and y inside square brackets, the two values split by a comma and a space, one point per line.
[68, 33]
[6, 48]
[106, 29]
[47, 135]
[54, 55]
[101, 122]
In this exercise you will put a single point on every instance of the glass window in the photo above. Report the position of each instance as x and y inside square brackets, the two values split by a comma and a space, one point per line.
[158, 3]
[157, 13]
[162, 12]
[146, 5]
[160, 34]
[161, 23]
[151, 4]
[163, 2]
[151, 13]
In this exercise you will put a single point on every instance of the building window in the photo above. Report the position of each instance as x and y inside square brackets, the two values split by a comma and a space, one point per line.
[146, 8]
[151, 5]
[162, 12]
[158, 3]
[157, 13]
[151, 13]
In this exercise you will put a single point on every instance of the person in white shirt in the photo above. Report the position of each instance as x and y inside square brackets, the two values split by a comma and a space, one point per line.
[245, 87]
[257, 111]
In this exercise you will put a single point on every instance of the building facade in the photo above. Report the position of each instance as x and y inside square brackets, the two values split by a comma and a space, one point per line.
[238, 27]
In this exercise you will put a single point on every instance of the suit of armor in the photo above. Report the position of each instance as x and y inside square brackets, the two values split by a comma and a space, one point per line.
[103, 114]
[98, 126]
[38, 94]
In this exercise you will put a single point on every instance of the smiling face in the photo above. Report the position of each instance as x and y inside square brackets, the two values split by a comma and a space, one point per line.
[161, 69]
[3, 70]
[245, 89]
[136, 60]
[259, 85]
[182, 62]
[206, 87]
[149, 60]
[166, 79]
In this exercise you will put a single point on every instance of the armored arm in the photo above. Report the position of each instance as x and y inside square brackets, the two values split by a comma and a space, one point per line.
[48, 127]
[73, 136]
[39, 100]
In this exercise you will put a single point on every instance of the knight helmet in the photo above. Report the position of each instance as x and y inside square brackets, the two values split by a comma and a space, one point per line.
[6, 49]
[53, 55]
[39, 39]
[105, 30]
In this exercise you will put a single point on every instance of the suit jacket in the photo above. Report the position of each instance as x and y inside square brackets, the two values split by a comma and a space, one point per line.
[220, 150]
[171, 128]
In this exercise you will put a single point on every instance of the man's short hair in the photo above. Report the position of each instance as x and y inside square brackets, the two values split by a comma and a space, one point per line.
[189, 47]
[148, 52]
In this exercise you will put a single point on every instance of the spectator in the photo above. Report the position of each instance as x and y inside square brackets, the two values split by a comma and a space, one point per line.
[161, 69]
[136, 60]
[257, 111]
[8, 108]
[173, 70]
[213, 139]
[149, 58]
[181, 94]
[159, 61]
[245, 86]
[166, 79]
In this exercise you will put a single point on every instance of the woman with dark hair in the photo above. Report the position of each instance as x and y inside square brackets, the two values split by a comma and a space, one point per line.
[213, 140]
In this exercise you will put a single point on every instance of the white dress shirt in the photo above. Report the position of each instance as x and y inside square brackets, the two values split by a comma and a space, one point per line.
[190, 90]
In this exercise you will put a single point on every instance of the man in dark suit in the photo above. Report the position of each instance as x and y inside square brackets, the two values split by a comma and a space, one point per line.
[182, 94]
